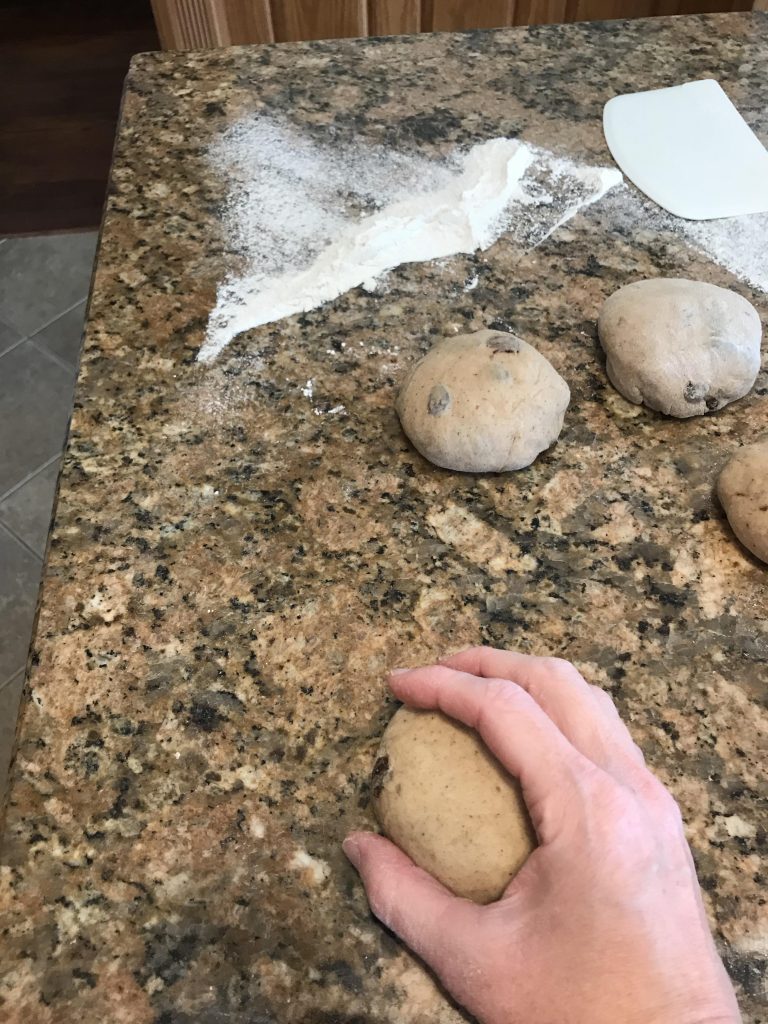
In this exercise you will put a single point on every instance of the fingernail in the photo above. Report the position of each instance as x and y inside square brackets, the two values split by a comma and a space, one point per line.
[351, 848]
[398, 671]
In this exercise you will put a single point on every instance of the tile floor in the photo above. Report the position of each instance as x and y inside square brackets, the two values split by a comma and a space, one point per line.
[44, 284]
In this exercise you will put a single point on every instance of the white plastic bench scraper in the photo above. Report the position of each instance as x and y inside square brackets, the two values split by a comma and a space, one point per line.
[690, 150]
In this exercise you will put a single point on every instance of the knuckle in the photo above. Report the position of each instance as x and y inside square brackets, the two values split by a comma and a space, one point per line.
[442, 674]
[485, 658]
[546, 693]
[637, 753]
[500, 696]
[627, 824]
[555, 680]
[561, 670]
[556, 666]
[562, 664]
[477, 655]
[598, 787]
[603, 698]
[667, 802]
[502, 692]
[381, 891]
[658, 796]
[619, 821]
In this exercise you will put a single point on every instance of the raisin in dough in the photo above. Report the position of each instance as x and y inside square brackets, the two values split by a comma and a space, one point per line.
[681, 347]
[483, 403]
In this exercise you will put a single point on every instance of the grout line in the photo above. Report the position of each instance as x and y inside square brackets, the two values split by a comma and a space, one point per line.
[26, 479]
[13, 346]
[17, 672]
[8, 529]
[61, 363]
[57, 317]
[48, 323]
[39, 330]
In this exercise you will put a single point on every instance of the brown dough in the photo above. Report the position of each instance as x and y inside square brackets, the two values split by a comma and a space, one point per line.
[743, 491]
[483, 403]
[444, 799]
[682, 347]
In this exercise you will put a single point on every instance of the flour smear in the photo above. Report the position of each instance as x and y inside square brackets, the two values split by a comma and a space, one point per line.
[737, 244]
[310, 221]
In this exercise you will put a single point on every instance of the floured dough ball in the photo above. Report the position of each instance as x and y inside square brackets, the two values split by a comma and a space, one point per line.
[681, 347]
[483, 403]
[743, 492]
[444, 799]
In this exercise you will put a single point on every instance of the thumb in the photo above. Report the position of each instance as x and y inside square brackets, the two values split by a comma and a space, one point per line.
[426, 916]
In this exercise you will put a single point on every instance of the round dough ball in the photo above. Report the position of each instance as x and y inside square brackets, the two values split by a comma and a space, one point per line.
[681, 347]
[743, 492]
[483, 403]
[444, 799]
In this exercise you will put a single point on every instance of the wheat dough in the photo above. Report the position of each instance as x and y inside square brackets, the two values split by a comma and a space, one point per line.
[483, 402]
[444, 799]
[681, 347]
[743, 491]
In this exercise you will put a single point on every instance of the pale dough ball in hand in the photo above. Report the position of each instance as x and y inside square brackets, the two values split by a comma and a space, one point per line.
[743, 492]
[681, 347]
[444, 799]
[483, 403]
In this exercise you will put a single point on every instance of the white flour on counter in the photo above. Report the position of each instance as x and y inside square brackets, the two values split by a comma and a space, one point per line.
[737, 244]
[310, 222]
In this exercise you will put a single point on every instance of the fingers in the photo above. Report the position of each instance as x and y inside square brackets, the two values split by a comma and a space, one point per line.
[583, 713]
[410, 901]
[611, 714]
[513, 726]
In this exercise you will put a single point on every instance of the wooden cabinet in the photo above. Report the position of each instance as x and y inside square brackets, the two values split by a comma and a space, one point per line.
[192, 24]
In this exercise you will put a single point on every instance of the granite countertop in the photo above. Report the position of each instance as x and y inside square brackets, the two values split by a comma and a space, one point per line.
[233, 567]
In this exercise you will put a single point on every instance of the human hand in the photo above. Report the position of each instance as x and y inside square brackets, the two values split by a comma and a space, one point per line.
[604, 923]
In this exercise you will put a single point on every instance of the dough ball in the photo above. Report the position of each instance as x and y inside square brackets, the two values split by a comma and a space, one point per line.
[681, 347]
[483, 403]
[440, 794]
[743, 492]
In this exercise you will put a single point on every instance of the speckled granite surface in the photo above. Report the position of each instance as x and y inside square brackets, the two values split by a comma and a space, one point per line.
[233, 567]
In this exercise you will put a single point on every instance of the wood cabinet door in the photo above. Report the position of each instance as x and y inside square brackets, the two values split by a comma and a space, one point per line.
[191, 24]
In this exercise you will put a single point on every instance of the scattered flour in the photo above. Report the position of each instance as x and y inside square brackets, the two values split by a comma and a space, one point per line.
[308, 390]
[290, 196]
[737, 244]
[556, 188]
[309, 221]
[256, 827]
[314, 869]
